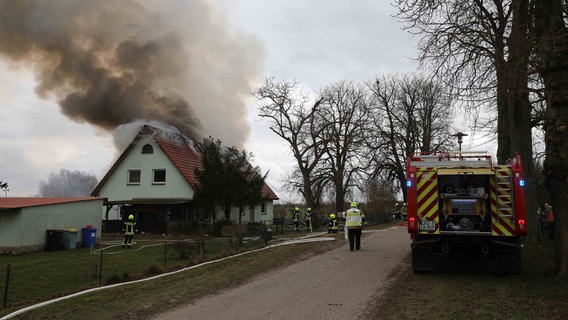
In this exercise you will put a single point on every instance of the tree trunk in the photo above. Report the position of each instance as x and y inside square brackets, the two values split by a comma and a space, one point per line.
[552, 49]
[518, 102]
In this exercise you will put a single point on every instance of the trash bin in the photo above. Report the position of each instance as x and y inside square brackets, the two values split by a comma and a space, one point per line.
[53, 239]
[89, 237]
[69, 239]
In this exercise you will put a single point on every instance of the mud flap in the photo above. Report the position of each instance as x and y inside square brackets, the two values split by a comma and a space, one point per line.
[422, 260]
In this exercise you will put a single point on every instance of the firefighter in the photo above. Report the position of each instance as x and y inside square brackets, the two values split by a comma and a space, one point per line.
[396, 211]
[332, 227]
[309, 219]
[354, 220]
[296, 218]
[128, 230]
[547, 221]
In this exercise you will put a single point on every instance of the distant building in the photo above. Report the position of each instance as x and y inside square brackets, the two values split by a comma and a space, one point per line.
[154, 179]
[24, 221]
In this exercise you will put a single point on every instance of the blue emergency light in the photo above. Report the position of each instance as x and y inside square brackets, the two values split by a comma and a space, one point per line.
[521, 182]
[409, 183]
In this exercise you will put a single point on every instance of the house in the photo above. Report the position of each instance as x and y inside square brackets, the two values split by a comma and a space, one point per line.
[154, 179]
[24, 222]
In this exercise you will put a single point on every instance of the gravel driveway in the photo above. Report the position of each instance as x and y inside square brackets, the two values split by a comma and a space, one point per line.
[315, 288]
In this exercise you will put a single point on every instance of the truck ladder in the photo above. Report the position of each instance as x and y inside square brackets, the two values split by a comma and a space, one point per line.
[504, 187]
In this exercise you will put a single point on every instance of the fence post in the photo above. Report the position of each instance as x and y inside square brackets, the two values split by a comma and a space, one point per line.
[6, 286]
[101, 268]
[165, 255]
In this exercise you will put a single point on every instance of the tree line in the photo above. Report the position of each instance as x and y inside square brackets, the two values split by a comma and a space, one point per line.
[348, 138]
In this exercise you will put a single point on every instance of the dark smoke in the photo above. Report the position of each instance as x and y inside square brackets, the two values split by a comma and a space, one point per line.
[110, 63]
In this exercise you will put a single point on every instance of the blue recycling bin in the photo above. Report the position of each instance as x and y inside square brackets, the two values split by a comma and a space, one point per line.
[89, 236]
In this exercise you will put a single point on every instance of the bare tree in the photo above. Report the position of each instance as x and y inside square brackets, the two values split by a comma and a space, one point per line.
[291, 116]
[409, 114]
[67, 183]
[343, 119]
[481, 49]
[551, 31]
[380, 198]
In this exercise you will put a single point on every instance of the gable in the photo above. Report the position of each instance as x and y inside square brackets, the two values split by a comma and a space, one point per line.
[180, 151]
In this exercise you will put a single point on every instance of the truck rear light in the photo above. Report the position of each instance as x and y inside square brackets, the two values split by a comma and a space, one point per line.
[412, 224]
[521, 224]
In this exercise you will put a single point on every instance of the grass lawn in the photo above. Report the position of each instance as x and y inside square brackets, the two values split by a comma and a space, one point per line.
[473, 293]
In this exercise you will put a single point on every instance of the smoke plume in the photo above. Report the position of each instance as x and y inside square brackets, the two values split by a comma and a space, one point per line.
[109, 63]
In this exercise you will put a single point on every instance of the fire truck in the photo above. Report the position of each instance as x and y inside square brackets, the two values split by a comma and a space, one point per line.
[462, 206]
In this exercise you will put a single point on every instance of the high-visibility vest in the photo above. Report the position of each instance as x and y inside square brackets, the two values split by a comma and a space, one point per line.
[353, 219]
[296, 215]
[129, 228]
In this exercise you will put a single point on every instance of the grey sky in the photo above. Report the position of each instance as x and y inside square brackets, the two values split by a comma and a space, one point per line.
[316, 42]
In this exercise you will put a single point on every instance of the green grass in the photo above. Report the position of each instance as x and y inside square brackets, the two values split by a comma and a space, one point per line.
[36, 277]
[536, 293]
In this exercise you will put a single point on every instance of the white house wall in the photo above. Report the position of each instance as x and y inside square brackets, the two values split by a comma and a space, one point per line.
[25, 229]
[117, 187]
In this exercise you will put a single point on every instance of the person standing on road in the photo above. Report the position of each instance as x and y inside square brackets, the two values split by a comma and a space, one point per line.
[332, 227]
[128, 230]
[354, 220]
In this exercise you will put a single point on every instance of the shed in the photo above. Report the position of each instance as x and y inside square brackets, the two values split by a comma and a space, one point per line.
[24, 221]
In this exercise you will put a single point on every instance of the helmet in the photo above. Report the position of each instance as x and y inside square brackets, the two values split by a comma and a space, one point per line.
[309, 209]
[131, 217]
[332, 216]
[353, 204]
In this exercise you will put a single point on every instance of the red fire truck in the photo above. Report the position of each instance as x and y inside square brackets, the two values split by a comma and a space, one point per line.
[461, 205]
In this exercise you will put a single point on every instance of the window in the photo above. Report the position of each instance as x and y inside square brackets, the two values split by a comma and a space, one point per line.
[159, 176]
[134, 176]
[146, 149]
[263, 208]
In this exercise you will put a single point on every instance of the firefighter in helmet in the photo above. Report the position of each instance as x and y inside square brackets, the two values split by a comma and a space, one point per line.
[309, 219]
[354, 221]
[332, 227]
[296, 218]
[128, 230]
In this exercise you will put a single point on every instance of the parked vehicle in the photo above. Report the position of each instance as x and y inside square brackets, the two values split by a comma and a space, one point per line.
[462, 205]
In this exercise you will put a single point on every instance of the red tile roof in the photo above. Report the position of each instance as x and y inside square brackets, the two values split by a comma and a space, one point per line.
[183, 154]
[15, 203]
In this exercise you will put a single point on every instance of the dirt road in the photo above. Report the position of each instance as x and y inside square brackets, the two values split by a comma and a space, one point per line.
[315, 288]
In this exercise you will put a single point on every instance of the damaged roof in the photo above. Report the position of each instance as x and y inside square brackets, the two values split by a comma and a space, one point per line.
[181, 152]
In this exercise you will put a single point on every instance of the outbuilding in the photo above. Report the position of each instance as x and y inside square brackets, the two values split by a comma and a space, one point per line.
[25, 222]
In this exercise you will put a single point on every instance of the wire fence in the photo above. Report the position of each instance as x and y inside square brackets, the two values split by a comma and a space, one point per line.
[39, 276]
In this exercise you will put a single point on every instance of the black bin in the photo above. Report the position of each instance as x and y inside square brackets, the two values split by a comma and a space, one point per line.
[54, 240]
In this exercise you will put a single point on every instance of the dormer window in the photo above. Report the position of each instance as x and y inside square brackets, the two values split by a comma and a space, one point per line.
[146, 149]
